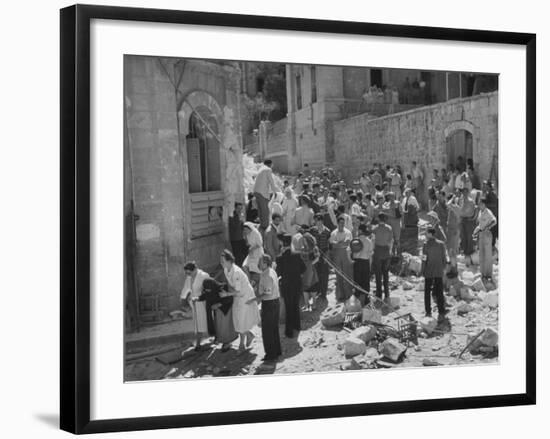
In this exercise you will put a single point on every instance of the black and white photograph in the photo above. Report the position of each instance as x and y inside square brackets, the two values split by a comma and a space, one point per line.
[288, 218]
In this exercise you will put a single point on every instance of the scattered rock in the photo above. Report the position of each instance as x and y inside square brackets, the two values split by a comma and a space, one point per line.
[454, 291]
[428, 324]
[407, 285]
[491, 299]
[466, 293]
[371, 315]
[395, 302]
[489, 337]
[430, 362]
[464, 308]
[365, 333]
[353, 304]
[393, 350]
[478, 285]
[333, 315]
[415, 264]
[354, 346]
[467, 277]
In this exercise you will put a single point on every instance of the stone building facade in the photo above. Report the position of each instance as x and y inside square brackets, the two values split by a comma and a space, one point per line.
[183, 173]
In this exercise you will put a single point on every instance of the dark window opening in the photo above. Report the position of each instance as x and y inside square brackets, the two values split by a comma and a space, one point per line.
[260, 81]
[313, 85]
[376, 77]
[298, 92]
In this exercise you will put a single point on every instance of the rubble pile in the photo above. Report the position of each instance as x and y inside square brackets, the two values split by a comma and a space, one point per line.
[373, 341]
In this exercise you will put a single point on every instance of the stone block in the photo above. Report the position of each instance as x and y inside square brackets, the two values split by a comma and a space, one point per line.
[491, 299]
[453, 291]
[407, 285]
[395, 302]
[463, 308]
[428, 324]
[365, 333]
[489, 337]
[354, 346]
[334, 315]
[353, 304]
[466, 293]
[371, 315]
[393, 350]
[478, 285]
[415, 264]
[467, 277]
[430, 362]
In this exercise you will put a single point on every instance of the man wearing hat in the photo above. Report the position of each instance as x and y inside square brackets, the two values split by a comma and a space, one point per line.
[290, 268]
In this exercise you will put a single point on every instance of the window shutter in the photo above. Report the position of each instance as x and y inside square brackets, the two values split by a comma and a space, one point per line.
[213, 162]
[194, 165]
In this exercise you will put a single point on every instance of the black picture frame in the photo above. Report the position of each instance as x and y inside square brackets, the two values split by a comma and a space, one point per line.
[75, 217]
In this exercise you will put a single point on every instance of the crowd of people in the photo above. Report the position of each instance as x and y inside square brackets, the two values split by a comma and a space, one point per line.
[286, 240]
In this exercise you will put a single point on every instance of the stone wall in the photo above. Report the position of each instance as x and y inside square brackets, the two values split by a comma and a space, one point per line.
[160, 95]
[419, 135]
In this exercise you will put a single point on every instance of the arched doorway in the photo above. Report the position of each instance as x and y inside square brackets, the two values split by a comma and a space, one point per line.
[460, 149]
[203, 152]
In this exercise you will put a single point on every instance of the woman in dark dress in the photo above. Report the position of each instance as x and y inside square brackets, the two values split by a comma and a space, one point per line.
[223, 316]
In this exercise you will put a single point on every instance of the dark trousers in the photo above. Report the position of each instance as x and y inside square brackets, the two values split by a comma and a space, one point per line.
[381, 266]
[263, 211]
[291, 298]
[494, 231]
[322, 274]
[239, 251]
[434, 285]
[361, 276]
[210, 320]
[270, 328]
[467, 227]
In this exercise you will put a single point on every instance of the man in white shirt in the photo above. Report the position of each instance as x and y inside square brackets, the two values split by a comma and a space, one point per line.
[269, 295]
[264, 185]
[339, 241]
[486, 221]
[361, 263]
